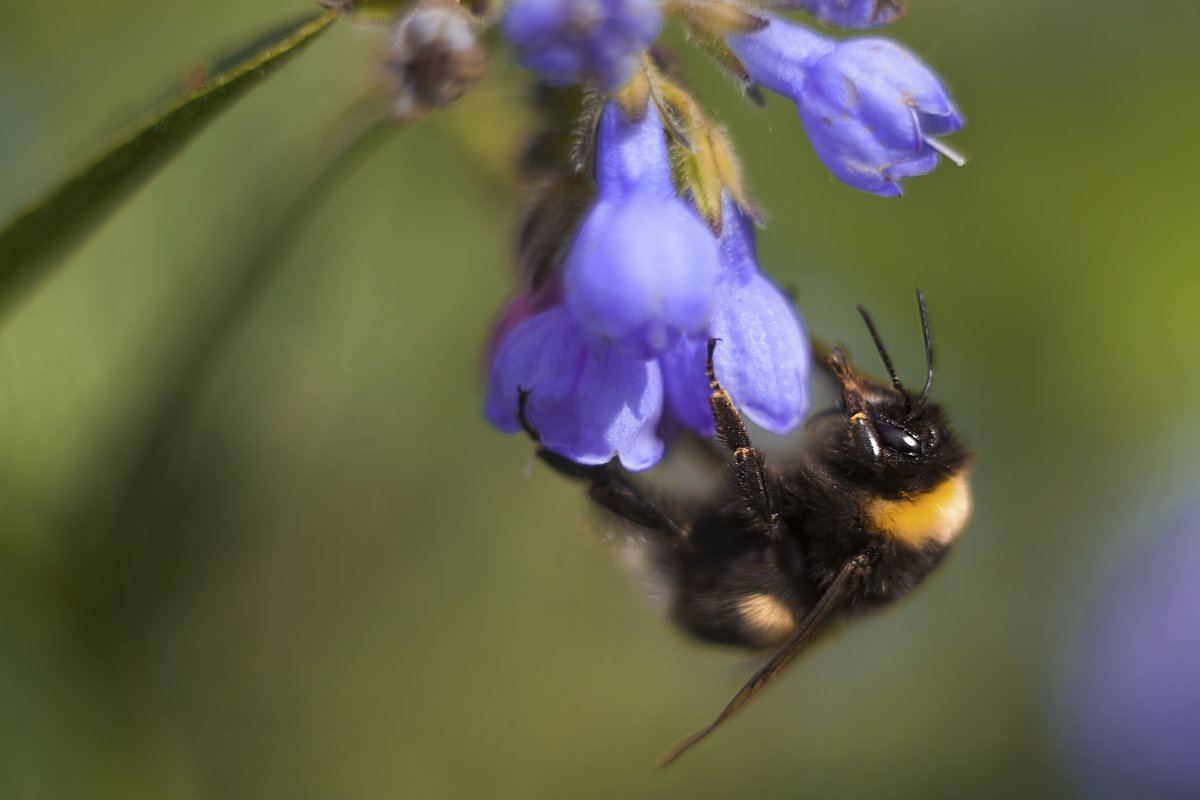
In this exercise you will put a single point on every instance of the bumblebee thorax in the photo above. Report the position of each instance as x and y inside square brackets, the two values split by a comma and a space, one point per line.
[936, 516]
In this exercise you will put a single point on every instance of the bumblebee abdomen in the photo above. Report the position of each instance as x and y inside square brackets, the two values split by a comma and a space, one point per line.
[745, 600]
[766, 618]
[748, 619]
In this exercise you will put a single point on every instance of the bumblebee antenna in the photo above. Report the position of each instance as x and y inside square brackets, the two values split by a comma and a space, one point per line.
[829, 602]
[883, 353]
[928, 348]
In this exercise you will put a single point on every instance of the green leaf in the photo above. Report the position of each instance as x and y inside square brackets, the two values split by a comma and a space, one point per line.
[47, 230]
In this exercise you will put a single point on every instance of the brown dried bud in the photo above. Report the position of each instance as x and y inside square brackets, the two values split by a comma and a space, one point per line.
[434, 57]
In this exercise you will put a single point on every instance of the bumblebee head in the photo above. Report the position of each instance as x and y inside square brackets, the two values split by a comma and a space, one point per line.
[888, 440]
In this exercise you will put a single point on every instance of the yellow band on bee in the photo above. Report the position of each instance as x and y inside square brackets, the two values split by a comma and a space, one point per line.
[938, 515]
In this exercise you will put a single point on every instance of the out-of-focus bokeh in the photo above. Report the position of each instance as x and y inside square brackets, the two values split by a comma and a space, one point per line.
[256, 539]
[1132, 691]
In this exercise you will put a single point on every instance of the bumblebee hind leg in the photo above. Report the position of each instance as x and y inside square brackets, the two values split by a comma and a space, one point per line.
[608, 486]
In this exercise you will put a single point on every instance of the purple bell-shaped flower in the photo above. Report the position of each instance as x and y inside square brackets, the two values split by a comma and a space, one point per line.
[643, 269]
[587, 402]
[872, 109]
[762, 357]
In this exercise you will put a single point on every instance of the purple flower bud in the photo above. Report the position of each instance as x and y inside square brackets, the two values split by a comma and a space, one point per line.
[870, 107]
[850, 13]
[582, 41]
[762, 359]
[587, 402]
[642, 269]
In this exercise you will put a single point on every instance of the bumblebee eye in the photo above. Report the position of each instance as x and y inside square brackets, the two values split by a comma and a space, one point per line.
[897, 439]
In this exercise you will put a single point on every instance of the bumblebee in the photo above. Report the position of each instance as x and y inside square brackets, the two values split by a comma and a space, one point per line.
[867, 512]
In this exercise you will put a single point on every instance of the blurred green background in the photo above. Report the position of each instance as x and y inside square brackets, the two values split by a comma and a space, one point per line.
[293, 560]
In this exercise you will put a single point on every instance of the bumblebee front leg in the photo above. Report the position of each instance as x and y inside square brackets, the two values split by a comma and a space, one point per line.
[607, 486]
[748, 470]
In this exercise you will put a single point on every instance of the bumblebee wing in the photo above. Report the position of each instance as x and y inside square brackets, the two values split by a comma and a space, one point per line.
[803, 636]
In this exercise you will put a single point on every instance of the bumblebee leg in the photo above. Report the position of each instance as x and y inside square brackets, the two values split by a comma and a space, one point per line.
[748, 470]
[607, 486]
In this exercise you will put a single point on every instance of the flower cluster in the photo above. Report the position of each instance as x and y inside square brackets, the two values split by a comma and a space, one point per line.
[602, 352]
[610, 352]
